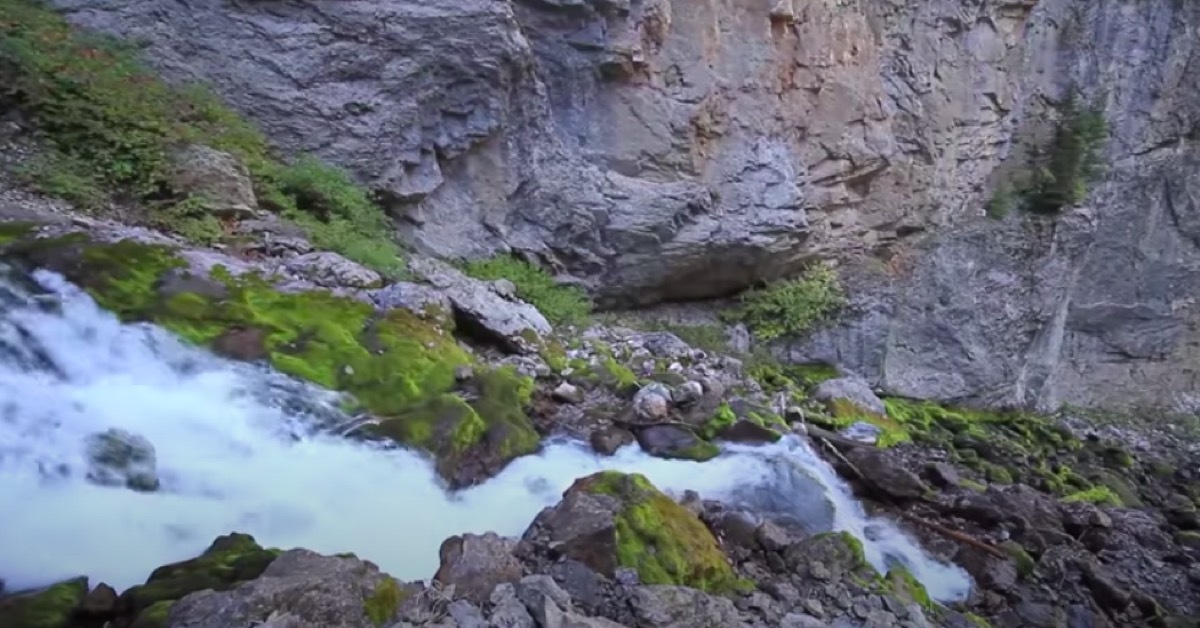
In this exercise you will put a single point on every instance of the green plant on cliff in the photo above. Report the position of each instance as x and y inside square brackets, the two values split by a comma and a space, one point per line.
[109, 125]
[560, 304]
[1074, 158]
[792, 307]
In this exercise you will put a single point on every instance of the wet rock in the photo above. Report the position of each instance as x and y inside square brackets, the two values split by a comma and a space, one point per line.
[99, 603]
[831, 556]
[687, 393]
[466, 615]
[311, 590]
[551, 606]
[512, 324]
[801, 620]
[680, 607]
[330, 270]
[748, 432]
[989, 572]
[215, 179]
[674, 441]
[507, 610]
[120, 458]
[476, 563]
[247, 344]
[652, 403]
[229, 560]
[664, 344]
[942, 475]
[772, 537]
[1107, 593]
[568, 393]
[607, 440]
[851, 389]
[894, 482]
[737, 339]
[417, 298]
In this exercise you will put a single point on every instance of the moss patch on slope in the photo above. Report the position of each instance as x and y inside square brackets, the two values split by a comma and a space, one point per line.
[48, 608]
[661, 539]
[397, 365]
[229, 560]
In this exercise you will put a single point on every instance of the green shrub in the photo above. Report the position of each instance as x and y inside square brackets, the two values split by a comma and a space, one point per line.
[792, 307]
[560, 304]
[1074, 159]
[109, 125]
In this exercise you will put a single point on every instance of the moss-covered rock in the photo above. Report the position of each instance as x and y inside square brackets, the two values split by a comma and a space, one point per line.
[740, 421]
[229, 560]
[51, 607]
[661, 539]
[908, 589]
[397, 364]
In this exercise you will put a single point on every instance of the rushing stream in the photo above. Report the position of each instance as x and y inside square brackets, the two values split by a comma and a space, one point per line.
[241, 448]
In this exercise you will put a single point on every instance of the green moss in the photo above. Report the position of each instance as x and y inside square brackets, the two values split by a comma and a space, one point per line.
[979, 622]
[662, 540]
[994, 473]
[560, 304]
[1075, 158]
[908, 589]
[110, 126]
[48, 608]
[815, 373]
[1101, 495]
[450, 426]
[845, 413]
[972, 485]
[1025, 563]
[617, 376]
[384, 601]
[229, 560]
[726, 417]
[554, 355]
[396, 364]
[699, 451]
[13, 231]
[154, 616]
[1188, 538]
[793, 307]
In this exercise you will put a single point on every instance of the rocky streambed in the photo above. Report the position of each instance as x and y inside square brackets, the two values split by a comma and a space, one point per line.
[1058, 521]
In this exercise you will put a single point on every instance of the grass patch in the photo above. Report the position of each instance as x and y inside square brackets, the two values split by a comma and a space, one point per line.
[110, 125]
[560, 304]
[791, 307]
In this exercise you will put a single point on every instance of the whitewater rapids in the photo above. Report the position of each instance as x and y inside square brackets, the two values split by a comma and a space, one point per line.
[242, 448]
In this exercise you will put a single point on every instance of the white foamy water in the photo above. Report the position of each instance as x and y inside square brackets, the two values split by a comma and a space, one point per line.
[241, 448]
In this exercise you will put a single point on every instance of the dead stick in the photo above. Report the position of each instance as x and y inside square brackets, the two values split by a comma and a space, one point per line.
[953, 534]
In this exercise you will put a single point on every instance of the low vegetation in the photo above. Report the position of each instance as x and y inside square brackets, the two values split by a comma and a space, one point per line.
[560, 304]
[1060, 175]
[793, 307]
[109, 125]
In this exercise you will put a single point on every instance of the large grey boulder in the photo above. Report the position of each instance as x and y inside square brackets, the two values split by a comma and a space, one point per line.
[300, 589]
[476, 563]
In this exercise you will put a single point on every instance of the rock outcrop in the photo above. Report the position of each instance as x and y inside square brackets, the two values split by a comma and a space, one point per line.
[664, 151]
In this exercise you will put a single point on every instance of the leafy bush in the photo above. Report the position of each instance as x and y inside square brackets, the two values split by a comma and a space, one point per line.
[110, 124]
[1074, 159]
[561, 305]
[1061, 175]
[792, 307]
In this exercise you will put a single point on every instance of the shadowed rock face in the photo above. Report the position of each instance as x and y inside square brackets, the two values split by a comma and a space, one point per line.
[669, 149]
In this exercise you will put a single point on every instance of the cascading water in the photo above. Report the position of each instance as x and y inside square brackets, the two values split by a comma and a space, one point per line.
[242, 448]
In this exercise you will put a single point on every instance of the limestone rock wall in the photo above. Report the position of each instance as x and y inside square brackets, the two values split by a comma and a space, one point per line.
[674, 149]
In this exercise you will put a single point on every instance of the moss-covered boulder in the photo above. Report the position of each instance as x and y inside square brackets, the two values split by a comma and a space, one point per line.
[398, 365]
[51, 607]
[740, 421]
[613, 520]
[228, 560]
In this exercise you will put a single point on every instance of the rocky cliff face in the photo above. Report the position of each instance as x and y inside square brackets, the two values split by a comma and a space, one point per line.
[1096, 307]
[664, 150]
